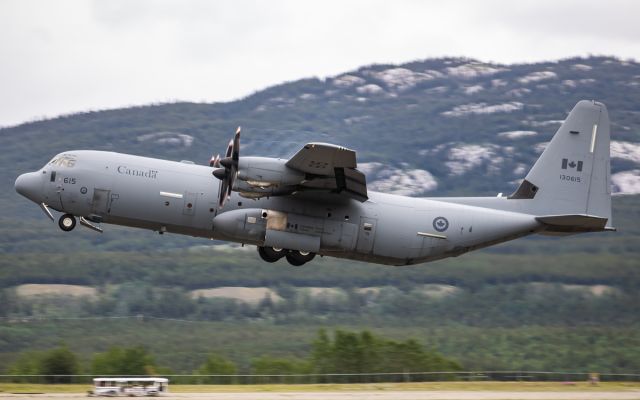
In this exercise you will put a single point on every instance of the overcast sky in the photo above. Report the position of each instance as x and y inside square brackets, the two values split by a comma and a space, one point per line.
[72, 55]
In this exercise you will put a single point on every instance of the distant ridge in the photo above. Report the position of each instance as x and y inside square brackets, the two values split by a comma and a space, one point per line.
[426, 127]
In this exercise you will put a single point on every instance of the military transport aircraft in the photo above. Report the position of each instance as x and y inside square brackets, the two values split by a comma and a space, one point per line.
[317, 201]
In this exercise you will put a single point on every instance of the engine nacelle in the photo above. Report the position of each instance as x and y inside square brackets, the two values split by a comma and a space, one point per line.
[264, 172]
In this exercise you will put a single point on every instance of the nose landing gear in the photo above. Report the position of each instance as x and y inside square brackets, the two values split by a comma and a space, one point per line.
[67, 222]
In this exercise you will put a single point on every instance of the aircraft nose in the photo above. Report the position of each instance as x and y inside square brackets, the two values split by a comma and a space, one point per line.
[29, 185]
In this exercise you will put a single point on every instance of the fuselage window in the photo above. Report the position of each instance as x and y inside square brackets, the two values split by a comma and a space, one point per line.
[53, 176]
[64, 161]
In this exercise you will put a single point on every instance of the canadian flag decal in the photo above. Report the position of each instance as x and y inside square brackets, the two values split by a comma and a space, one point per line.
[566, 163]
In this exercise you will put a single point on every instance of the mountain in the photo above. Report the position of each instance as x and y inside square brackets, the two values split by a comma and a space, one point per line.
[449, 126]
[452, 126]
[432, 127]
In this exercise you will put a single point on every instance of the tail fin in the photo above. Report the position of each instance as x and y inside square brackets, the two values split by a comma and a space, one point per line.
[569, 186]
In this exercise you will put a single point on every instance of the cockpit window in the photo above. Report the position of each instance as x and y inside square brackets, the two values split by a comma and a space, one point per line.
[64, 160]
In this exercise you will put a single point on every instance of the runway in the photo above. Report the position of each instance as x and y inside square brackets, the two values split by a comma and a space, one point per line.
[373, 395]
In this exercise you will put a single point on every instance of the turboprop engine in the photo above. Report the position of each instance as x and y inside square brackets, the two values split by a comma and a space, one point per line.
[262, 176]
[252, 177]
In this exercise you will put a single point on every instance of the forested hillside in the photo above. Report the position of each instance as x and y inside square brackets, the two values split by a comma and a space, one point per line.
[427, 128]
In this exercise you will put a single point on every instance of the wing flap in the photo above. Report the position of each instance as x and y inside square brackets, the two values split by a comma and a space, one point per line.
[352, 183]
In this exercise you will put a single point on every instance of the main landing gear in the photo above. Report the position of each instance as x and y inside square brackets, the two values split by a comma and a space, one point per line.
[67, 222]
[294, 257]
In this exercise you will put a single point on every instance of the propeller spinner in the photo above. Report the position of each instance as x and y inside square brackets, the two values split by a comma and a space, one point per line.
[227, 168]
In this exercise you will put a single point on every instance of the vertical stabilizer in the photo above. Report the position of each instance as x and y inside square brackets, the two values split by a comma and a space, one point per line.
[572, 175]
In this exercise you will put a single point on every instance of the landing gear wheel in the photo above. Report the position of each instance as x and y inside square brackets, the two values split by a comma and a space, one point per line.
[67, 222]
[298, 258]
[269, 254]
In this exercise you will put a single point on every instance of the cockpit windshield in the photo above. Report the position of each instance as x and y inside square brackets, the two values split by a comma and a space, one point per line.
[63, 160]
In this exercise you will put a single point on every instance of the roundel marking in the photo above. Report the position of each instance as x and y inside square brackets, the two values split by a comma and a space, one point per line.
[83, 190]
[440, 224]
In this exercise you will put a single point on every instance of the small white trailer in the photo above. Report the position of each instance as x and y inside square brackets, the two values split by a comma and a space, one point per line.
[129, 387]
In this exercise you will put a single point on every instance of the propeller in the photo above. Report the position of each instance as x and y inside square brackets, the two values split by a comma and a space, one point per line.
[215, 161]
[227, 168]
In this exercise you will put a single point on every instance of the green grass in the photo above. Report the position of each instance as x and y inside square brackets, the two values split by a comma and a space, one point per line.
[422, 386]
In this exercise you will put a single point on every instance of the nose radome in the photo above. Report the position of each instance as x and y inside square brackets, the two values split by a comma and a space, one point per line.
[29, 185]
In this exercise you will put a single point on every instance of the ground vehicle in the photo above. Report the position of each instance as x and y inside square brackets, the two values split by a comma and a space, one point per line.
[129, 386]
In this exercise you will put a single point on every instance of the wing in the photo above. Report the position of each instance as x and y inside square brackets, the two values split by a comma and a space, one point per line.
[328, 167]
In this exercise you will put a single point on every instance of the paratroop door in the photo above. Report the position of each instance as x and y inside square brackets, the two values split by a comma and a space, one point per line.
[366, 234]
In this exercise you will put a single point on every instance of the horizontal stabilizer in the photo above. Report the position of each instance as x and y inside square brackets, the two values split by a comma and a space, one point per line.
[574, 223]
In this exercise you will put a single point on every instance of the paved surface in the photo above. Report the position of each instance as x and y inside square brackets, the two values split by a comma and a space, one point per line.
[377, 395]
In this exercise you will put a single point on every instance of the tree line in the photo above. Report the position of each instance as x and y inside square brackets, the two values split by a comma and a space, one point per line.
[489, 305]
[344, 352]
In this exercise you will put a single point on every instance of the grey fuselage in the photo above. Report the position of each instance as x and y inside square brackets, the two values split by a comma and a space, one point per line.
[567, 191]
[179, 197]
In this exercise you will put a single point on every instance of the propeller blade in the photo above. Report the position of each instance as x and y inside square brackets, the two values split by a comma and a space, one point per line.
[228, 173]
[229, 149]
[235, 155]
[232, 178]
[215, 161]
[222, 193]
